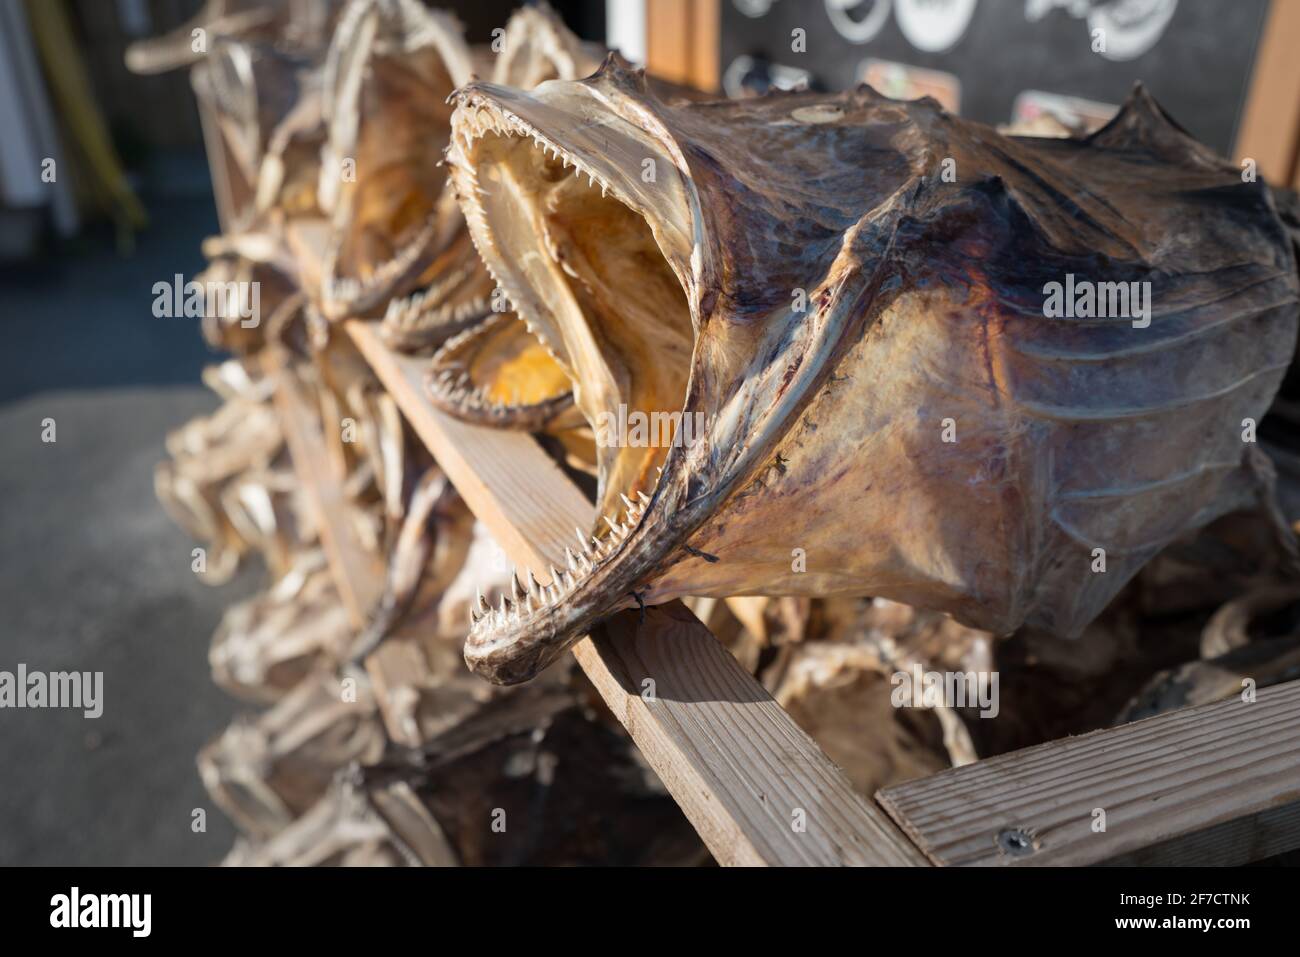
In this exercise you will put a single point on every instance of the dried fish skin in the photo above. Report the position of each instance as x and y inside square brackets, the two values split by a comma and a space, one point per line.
[840, 695]
[222, 467]
[924, 301]
[556, 772]
[1249, 643]
[244, 325]
[342, 829]
[265, 646]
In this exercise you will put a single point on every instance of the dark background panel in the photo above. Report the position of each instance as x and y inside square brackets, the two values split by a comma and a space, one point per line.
[1199, 68]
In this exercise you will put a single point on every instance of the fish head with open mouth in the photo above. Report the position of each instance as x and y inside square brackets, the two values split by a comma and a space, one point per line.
[487, 367]
[388, 73]
[397, 227]
[494, 372]
[824, 342]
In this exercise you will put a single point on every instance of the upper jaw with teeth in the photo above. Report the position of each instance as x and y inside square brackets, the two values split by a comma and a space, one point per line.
[580, 561]
[922, 312]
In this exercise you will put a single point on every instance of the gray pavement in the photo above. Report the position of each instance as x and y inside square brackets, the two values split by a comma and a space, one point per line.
[97, 578]
[93, 575]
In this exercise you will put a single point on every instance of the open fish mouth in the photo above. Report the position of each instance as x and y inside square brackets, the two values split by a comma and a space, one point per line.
[457, 298]
[496, 373]
[513, 176]
[863, 389]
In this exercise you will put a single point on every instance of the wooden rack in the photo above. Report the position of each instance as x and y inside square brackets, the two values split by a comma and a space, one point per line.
[1217, 784]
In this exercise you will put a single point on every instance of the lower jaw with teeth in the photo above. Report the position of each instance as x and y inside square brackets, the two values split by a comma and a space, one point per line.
[496, 374]
[534, 624]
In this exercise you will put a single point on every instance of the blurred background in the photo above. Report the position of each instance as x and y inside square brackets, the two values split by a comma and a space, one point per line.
[105, 190]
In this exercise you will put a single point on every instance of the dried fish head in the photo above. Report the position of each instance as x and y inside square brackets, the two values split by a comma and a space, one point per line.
[210, 457]
[852, 297]
[342, 829]
[253, 299]
[535, 46]
[390, 69]
[266, 645]
[491, 370]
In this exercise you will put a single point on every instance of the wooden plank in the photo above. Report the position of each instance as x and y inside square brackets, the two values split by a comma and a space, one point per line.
[1230, 844]
[1177, 788]
[668, 40]
[1269, 132]
[357, 576]
[529, 505]
[742, 771]
[706, 50]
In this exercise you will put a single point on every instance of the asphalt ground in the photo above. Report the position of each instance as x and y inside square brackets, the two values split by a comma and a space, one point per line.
[94, 577]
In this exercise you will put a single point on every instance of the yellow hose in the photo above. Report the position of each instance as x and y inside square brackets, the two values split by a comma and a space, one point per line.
[82, 120]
